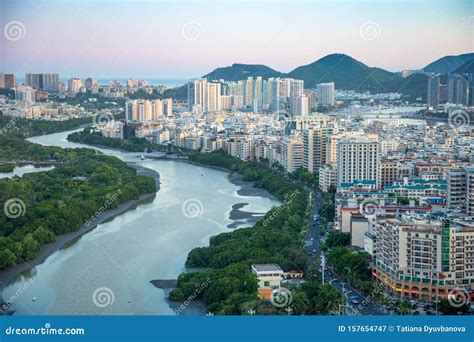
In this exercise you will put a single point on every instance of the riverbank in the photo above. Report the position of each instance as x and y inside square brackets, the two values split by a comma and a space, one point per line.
[6, 276]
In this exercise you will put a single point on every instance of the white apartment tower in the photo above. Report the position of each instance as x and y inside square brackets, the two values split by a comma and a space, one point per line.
[357, 160]
[325, 93]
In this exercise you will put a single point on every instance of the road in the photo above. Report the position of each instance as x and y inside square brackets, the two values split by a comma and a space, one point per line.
[357, 304]
[314, 231]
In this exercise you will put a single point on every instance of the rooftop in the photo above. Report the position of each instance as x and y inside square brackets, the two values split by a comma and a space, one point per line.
[267, 268]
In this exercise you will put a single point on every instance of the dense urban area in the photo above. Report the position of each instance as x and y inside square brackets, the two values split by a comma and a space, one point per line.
[376, 183]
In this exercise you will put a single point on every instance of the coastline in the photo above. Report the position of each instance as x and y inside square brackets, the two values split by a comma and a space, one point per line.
[6, 276]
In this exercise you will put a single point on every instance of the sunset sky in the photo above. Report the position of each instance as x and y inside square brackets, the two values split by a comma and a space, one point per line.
[181, 39]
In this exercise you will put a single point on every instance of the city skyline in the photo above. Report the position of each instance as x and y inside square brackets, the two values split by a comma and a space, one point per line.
[155, 40]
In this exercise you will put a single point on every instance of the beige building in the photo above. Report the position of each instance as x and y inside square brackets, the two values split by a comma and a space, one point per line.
[388, 172]
[421, 259]
[292, 154]
[146, 110]
[315, 141]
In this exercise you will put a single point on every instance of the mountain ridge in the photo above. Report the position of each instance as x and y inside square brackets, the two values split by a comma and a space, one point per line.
[448, 64]
[347, 72]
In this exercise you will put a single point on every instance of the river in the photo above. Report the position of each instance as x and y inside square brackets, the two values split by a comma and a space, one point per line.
[19, 171]
[124, 254]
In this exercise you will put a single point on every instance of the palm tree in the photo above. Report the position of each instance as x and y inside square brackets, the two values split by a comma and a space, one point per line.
[403, 307]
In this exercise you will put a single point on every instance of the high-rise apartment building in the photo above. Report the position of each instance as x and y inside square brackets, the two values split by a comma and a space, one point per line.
[334, 140]
[292, 154]
[204, 96]
[148, 110]
[461, 189]
[325, 93]
[248, 91]
[388, 172]
[423, 259]
[299, 106]
[74, 85]
[315, 142]
[25, 94]
[433, 91]
[7, 81]
[44, 82]
[90, 84]
[357, 160]
[296, 88]
[457, 89]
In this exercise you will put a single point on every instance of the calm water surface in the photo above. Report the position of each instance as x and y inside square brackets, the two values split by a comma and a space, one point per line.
[124, 254]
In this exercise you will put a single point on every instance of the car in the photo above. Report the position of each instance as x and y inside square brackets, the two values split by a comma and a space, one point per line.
[354, 301]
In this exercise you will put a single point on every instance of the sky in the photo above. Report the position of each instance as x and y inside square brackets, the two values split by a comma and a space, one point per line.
[183, 39]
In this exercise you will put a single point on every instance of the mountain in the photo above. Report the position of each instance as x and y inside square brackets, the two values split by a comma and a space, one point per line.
[466, 68]
[345, 71]
[448, 64]
[237, 72]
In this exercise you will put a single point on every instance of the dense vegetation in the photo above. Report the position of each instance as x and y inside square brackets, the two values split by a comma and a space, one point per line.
[335, 239]
[29, 128]
[237, 72]
[277, 238]
[352, 263]
[61, 200]
[7, 167]
[133, 144]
